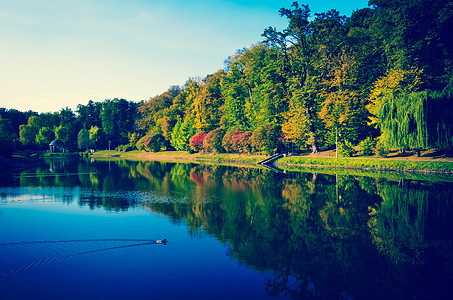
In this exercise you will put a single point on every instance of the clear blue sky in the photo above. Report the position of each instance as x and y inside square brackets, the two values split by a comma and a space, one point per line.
[60, 53]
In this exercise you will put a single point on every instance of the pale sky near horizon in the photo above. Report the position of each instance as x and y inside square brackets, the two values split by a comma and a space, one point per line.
[60, 53]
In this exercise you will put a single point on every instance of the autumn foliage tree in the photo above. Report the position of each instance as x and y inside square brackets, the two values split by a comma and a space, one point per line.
[196, 142]
[237, 141]
[213, 141]
[267, 139]
[377, 73]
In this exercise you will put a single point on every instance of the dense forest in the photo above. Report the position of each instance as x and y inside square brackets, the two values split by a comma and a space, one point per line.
[381, 78]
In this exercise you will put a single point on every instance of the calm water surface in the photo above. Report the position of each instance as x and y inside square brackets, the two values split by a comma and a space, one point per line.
[88, 230]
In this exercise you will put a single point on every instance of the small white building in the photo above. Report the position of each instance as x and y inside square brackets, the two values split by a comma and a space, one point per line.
[56, 146]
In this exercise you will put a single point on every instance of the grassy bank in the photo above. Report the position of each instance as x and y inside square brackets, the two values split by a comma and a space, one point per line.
[374, 164]
[179, 155]
[294, 162]
[431, 176]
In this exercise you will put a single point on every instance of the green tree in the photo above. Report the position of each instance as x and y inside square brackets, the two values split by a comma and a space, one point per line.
[416, 34]
[29, 131]
[6, 137]
[95, 134]
[44, 137]
[299, 53]
[89, 115]
[394, 83]
[417, 120]
[133, 139]
[182, 132]
[156, 143]
[83, 139]
[118, 117]
[68, 129]
[235, 94]
[254, 88]
[207, 106]
[63, 133]
[16, 118]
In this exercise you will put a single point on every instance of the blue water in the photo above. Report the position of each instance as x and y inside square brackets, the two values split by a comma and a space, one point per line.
[191, 267]
[90, 230]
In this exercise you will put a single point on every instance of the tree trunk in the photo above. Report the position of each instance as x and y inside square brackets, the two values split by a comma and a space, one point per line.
[311, 130]
[314, 147]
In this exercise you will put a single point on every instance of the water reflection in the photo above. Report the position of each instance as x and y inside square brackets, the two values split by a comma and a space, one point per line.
[101, 245]
[321, 236]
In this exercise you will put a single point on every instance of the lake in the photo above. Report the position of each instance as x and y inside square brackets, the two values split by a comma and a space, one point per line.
[84, 229]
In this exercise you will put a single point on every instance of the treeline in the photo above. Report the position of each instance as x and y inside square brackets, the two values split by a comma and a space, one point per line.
[96, 125]
[383, 72]
[382, 75]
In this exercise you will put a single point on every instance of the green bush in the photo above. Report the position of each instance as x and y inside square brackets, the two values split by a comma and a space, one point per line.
[346, 149]
[127, 148]
[381, 150]
[140, 145]
[155, 143]
[367, 146]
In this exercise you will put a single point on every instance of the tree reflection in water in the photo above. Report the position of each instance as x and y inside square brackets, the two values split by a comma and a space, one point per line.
[322, 236]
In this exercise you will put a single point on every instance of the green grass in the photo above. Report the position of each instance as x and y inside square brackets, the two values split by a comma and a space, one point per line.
[437, 177]
[293, 162]
[179, 155]
[371, 164]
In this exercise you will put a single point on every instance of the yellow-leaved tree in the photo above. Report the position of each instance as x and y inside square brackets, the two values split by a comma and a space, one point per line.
[207, 105]
[391, 85]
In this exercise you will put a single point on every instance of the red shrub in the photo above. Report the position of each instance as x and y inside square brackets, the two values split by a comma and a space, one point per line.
[196, 142]
[237, 141]
[213, 141]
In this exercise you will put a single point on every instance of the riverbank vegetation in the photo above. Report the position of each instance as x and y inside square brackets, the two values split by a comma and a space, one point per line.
[178, 155]
[380, 79]
[371, 164]
[292, 163]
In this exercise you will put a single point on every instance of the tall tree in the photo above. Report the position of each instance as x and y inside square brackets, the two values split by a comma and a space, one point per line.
[44, 137]
[88, 115]
[6, 137]
[298, 52]
[29, 132]
[68, 129]
[83, 139]
[118, 118]
[255, 88]
[417, 34]
[153, 110]
[207, 107]
[417, 120]
[95, 134]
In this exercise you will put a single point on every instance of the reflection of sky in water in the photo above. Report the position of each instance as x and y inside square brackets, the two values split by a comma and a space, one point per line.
[16, 195]
[232, 232]
[106, 262]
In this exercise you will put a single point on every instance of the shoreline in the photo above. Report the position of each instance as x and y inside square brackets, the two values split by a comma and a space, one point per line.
[371, 164]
